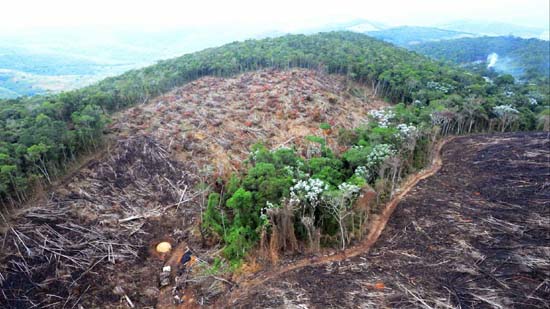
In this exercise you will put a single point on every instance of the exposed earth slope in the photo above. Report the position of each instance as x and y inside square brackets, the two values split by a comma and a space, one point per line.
[91, 240]
[216, 120]
[474, 235]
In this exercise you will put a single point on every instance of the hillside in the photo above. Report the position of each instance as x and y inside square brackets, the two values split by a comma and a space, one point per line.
[54, 130]
[241, 157]
[53, 60]
[527, 59]
[145, 188]
[214, 121]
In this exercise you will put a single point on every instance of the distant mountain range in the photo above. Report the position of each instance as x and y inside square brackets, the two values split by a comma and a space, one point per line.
[40, 62]
[489, 28]
[409, 35]
[504, 48]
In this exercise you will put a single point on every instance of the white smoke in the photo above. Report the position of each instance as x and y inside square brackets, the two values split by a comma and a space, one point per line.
[492, 60]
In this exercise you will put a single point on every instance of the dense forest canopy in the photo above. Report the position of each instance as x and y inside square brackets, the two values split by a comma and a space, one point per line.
[39, 136]
[527, 59]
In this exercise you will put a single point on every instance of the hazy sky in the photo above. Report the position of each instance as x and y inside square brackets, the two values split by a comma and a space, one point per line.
[278, 14]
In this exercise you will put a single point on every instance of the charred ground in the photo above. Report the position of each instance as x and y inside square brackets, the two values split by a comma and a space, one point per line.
[474, 235]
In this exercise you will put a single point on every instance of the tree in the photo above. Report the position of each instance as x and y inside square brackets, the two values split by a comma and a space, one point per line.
[504, 80]
[213, 219]
[339, 205]
[37, 154]
[507, 114]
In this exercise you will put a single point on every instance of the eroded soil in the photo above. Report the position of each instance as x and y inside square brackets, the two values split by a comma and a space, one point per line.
[477, 234]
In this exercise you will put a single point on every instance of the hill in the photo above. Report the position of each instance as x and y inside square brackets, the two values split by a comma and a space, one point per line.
[245, 154]
[160, 152]
[409, 35]
[527, 59]
[224, 117]
[61, 127]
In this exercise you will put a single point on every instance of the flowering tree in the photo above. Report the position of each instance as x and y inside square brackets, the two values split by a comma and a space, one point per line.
[306, 194]
[382, 117]
[339, 205]
[378, 155]
[507, 115]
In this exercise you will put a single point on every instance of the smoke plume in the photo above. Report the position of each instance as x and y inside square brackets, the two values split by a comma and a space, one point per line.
[492, 60]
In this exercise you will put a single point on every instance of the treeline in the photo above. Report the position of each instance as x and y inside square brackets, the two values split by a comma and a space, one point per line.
[40, 135]
[529, 59]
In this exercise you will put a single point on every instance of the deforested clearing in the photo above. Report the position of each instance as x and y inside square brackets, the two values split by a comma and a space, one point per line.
[215, 120]
[91, 240]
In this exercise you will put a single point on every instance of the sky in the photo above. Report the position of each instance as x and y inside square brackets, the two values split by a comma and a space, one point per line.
[286, 15]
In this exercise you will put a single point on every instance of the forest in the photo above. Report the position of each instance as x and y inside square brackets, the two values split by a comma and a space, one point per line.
[40, 136]
[527, 59]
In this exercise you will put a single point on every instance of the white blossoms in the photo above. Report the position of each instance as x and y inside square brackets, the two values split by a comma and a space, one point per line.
[502, 110]
[361, 171]
[379, 153]
[308, 191]
[382, 116]
[254, 154]
[445, 88]
[348, 190]
[406, 130]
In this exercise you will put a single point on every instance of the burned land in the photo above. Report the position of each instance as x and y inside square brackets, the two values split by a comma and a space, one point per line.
[476, 234]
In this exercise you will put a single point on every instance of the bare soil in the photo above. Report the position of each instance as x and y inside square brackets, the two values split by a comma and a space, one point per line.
[475, 235]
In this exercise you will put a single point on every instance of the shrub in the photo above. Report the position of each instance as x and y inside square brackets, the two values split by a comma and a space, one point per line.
[346, 137]
[357, 156]
[243, 209]
[239, 240]
[316, 139]
[213, 220]
[330, 170]
[232, 185]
